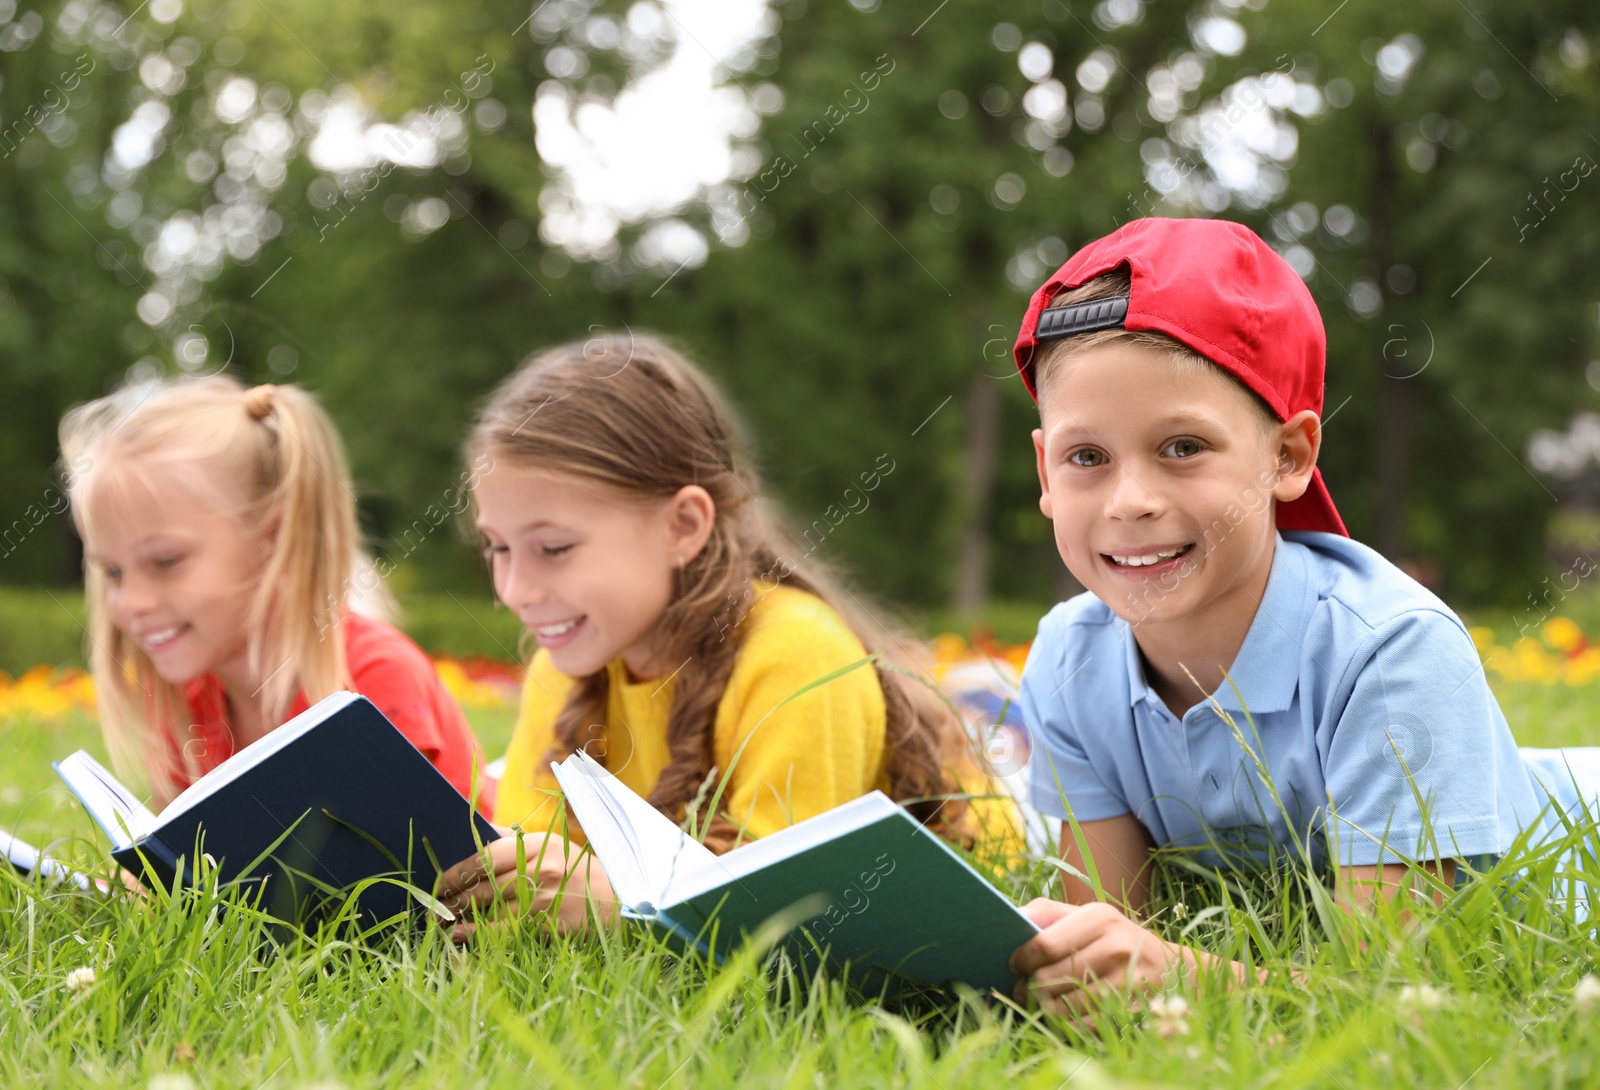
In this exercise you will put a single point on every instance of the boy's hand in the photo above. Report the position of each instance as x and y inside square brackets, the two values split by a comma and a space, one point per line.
[1085, 952]
[553, 869]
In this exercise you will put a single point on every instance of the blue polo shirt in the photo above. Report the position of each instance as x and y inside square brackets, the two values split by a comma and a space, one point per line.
[1365, 694]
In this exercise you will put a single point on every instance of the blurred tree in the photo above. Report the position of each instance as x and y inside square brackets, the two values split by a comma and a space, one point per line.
[1458, 319]
[353, 198]
[915, 189]
[67, 283]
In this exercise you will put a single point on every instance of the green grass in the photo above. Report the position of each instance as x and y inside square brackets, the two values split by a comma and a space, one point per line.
[183, 993]
[40, 625]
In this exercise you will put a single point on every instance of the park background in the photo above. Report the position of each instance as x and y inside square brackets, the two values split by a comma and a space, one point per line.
[840, 209]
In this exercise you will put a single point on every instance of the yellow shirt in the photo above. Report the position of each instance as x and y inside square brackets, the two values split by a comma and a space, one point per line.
[820, 749]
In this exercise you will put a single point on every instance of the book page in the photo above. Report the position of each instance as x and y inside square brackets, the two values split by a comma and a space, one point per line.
[23, 856]
[256, 753]
[641, 850]
[112, 806]
[29, 860]
[802, 836]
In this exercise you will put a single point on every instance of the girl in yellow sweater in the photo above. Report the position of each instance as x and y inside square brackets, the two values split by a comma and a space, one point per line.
[624, 527]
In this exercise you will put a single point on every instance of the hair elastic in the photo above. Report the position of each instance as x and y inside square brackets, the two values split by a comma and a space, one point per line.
[258, 401]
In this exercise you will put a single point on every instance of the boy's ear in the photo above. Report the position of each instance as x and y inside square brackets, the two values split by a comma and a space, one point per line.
[1044, 476]
[691, 514]
[1299, 440]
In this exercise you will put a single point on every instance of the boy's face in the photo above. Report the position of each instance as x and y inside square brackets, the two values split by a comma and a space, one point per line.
[1160, 479]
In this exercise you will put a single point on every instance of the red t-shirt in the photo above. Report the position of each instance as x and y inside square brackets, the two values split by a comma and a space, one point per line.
[389, 670]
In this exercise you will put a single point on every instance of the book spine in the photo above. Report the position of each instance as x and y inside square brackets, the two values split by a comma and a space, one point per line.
[681, 937]
[151, 859]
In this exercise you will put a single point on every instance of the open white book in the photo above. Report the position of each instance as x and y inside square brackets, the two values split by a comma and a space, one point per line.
[113, 807]
[887, 901]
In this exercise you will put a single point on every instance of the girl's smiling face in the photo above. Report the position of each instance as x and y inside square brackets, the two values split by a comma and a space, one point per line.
[588, 571]
[179, 573]
[1160, 479]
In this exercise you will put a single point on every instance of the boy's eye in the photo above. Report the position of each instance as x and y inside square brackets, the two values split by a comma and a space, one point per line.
[1183, 448]
[1087, 457]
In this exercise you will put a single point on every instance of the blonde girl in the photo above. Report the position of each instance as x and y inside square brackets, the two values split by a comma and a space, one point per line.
[624, 527]
[222, 565]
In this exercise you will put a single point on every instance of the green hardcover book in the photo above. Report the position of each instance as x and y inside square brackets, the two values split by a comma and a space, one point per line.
[883, 899]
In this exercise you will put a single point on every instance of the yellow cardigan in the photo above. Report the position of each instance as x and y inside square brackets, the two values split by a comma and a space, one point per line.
[813, 753]
[783, 762]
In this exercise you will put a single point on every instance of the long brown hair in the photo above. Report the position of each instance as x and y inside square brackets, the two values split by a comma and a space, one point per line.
[268, 452]
[634, 416]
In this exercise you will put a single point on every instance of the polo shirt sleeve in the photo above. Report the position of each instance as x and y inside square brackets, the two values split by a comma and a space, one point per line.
[1412, 760]
[1060, 773]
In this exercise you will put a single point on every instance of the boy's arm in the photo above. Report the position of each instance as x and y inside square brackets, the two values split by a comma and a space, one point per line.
[1087, 947]
[1120, 847]
[1358, 887]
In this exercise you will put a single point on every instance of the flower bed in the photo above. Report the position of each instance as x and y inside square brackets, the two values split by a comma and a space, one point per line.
[1561, 653]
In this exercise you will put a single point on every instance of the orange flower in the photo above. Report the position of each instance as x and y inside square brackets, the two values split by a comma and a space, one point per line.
[46, 693]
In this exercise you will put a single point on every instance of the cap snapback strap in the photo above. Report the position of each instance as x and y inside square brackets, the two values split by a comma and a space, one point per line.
[1068, 321]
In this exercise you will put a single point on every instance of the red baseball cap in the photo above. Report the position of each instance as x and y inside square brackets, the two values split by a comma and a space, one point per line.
[1219, 289]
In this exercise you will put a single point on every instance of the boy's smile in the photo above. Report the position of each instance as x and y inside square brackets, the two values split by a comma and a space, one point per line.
[1161, 478]
[1147, 562]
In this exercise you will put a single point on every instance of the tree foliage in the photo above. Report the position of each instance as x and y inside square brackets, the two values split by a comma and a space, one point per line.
[915, 171]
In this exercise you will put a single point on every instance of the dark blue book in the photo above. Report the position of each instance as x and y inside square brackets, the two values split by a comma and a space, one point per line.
[863, 891]
[305, 818]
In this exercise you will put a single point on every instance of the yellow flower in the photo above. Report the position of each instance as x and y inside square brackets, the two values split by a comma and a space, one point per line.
[1582, 668]
[1562, 633]
[1527, 660]
[470, 693]
[948, 647]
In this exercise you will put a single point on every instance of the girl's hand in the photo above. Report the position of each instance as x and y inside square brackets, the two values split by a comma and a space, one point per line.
[556, 874]
[1085, 952]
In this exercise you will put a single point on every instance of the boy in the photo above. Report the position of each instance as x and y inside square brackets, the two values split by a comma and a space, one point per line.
[1178, 368]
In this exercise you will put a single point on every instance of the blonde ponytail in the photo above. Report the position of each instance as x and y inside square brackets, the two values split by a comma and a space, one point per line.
[297, 606]
[269, 457]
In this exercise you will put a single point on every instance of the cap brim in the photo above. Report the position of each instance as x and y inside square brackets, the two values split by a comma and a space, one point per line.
[1312, 511]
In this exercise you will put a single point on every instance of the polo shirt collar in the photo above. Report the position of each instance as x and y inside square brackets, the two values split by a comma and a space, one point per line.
[1267, 669]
